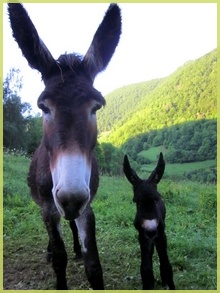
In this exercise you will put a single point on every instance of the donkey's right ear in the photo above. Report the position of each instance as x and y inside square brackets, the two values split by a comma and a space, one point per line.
[157, 173]
[25, 33]
[129, 172]
[104, 42]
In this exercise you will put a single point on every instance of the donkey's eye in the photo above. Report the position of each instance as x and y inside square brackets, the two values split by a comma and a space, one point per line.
[95, 108]
[45, 109]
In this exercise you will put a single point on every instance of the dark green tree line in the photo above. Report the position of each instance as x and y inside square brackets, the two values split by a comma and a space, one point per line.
[21, 131]
[14, 122]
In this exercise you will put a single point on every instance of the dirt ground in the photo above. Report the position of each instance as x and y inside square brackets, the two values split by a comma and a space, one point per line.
[26, 268]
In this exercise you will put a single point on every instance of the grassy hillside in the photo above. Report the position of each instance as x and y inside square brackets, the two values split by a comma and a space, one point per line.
[190, 225]
[189, 94]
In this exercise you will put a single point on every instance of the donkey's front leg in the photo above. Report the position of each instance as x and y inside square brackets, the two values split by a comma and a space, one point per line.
[76, 244]
[56, 245]
[166, 271]
[86, 228]
[147, 249]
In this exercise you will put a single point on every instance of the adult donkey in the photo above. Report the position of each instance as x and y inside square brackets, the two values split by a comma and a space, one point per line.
[63, 175]
[150, 223]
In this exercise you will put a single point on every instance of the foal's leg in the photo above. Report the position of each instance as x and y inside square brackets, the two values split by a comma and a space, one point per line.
[166, 271]
[76, 245]
[56, 245]
[86, 228]
[147, 249]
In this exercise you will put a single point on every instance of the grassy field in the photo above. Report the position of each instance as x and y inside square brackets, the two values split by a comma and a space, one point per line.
[173, 170]
[179, 169]
[191, 232]
[152, 153]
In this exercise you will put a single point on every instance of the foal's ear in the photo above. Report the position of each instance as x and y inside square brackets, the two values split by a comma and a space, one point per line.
[104, 42]
[129, 172]
[25, 33]
[157, 174]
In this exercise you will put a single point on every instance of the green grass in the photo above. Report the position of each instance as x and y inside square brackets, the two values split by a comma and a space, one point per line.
[153, 152]
[15, 170]
[172, 170]
[180, 169]
[190, 224]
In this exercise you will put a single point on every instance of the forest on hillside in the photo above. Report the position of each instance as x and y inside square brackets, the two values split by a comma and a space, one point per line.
[186, 142]
[178, 113]
[189, 94]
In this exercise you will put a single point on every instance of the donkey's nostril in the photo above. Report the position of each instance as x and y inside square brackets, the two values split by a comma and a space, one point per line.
[71, 204]
[63, 201]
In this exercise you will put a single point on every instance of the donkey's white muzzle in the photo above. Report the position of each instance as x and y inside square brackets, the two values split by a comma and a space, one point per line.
[71, 178]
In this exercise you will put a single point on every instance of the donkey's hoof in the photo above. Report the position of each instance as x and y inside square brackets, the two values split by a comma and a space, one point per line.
[49, 257]
[78, 257]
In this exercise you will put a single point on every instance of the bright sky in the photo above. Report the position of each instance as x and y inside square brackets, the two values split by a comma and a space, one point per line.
[156, 39]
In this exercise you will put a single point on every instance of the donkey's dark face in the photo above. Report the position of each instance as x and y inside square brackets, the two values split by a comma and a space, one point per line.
[70, 133]
[69, 116]
[69, 104]
[150, 208]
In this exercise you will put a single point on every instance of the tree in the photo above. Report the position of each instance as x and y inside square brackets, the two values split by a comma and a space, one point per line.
[14, 123]
[109, 158]
[34, 133]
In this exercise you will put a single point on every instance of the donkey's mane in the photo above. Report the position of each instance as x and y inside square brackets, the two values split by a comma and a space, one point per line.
[70, 62]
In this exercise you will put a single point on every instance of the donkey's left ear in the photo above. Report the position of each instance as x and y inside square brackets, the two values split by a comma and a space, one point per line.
[26, 35]
[104, 42]
[129, 172]
[157, 174]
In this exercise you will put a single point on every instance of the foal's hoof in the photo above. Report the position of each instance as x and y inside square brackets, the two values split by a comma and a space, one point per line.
[62, 287]
[62, 284]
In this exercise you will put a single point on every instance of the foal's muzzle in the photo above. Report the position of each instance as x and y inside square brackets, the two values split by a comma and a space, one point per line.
[150, 228]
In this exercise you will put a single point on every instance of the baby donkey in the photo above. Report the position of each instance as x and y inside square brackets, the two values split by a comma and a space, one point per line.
[150, 223]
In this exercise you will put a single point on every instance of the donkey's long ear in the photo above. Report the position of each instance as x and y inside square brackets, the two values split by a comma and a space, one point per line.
[104, 42]
[157, 174]
[32, 47]
[129, 172]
